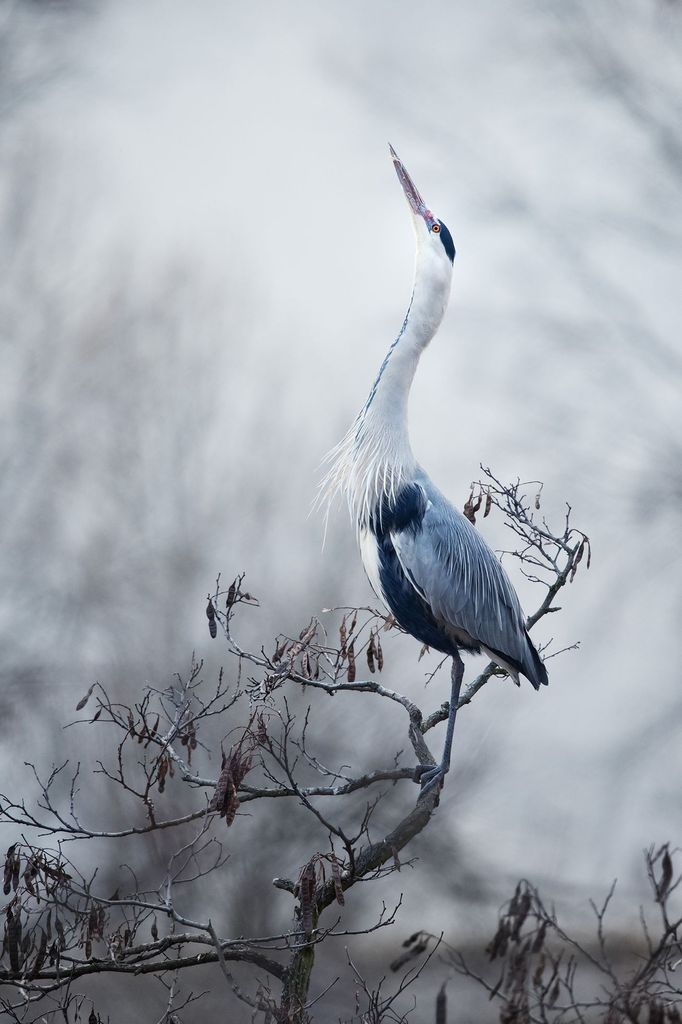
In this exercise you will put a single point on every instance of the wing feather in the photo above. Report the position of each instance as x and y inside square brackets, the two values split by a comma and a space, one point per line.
[456, 572]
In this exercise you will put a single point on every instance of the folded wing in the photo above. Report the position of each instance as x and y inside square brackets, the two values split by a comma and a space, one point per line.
[452, 568]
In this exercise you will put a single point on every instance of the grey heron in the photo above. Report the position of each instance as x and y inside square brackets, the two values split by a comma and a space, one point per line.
[424, 559]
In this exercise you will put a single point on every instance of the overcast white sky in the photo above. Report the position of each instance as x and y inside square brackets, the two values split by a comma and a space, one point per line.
[209, 255]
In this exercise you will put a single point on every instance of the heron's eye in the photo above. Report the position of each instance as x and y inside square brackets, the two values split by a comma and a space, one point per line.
[435, 228]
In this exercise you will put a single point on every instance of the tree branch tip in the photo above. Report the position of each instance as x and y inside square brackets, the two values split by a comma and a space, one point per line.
[286, 884]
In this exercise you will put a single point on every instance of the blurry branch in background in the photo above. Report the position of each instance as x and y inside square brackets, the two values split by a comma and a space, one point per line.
[380, 1005]
[61, 927]
[543, 974]
[651, 108]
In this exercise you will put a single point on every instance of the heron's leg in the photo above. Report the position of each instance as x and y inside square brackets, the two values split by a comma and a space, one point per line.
[456, 676]
[432, 775]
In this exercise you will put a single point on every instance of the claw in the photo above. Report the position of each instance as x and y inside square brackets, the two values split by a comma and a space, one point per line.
[429, 775]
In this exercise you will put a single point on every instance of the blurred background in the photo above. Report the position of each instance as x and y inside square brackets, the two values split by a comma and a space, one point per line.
[206, 254]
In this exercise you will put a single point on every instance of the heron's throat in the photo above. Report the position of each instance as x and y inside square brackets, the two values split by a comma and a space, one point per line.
[375, 457]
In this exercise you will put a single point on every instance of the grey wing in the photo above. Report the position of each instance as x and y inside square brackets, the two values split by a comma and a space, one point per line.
[458, 575]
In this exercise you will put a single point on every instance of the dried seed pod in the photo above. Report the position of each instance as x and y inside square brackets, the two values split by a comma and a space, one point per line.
[343, 636]
[216, 801]
[416, 950]
[210, 615]
[305, 637]
[30, 872]
[231, 802]
[162, 771]
[488, 505]
[521, 915]
[306, 895]
[471, 507]
[576, 559]
[9, 869]
[225, 800]
[154, 930]
[84, 700]
[13, 933]
[401, 960]
[351, 662]
[380, 653]
[40, 955]
[663, 885]
[498, 945]
[371, 648]
[554, 994]
[442, 1005]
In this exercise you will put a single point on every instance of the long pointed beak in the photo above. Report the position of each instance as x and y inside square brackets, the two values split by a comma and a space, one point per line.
[412, 194]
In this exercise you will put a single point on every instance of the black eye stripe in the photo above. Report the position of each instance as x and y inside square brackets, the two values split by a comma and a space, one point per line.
[446, 239]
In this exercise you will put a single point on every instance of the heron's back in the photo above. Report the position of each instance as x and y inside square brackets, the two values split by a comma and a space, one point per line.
[442, 581]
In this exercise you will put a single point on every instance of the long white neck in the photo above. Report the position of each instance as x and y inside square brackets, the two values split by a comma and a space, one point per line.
[375, 456]
[385, 411]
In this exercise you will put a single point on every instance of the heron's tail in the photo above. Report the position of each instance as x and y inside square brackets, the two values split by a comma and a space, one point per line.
[534, 667]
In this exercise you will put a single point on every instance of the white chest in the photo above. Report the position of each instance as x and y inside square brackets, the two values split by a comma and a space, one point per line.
[370, 559]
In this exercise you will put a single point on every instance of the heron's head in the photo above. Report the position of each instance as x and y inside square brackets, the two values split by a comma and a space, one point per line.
[431, 232]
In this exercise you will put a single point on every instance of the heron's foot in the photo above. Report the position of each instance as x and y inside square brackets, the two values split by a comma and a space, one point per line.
[429, 776]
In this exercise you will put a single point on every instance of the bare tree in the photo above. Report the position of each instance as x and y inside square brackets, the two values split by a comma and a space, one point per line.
[62, 926]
